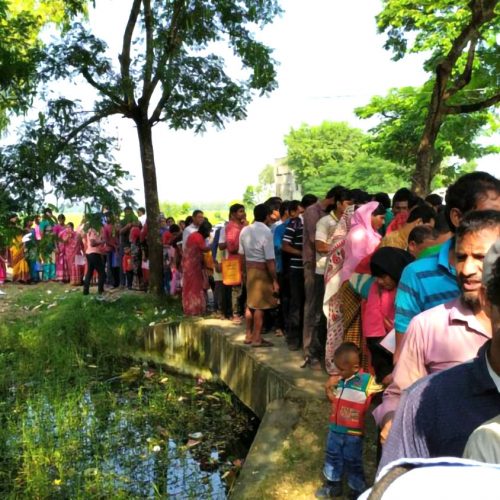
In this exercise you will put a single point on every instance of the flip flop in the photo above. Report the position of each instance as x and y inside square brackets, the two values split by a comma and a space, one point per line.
[247, 342]
[264, 343]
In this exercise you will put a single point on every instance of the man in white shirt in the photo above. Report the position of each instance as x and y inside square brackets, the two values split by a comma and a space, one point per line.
[257, 247]
[198, 219]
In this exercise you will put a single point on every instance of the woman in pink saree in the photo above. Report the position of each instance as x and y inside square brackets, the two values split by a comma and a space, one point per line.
[72, 244]
[355, 237]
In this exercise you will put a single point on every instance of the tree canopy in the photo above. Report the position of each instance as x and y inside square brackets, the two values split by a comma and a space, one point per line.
[170, 69]
[464, 60]
[336, 153]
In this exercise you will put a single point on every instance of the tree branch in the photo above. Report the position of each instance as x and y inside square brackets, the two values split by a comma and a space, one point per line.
[155, 117]
[124, 57]
[471, 108]
[171, 47]
[93, 119]
[114, 98]
[148, 70]
[465, 78]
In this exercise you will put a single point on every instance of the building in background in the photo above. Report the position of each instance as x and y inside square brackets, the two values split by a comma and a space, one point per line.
[286, 185]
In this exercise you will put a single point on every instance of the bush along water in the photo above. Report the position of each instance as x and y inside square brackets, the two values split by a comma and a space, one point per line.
[81, 419]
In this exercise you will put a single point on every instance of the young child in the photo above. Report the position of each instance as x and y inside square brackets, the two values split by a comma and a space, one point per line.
[128, 267]
[350, 393]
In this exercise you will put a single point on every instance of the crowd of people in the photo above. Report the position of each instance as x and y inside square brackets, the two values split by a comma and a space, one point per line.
[379, 293]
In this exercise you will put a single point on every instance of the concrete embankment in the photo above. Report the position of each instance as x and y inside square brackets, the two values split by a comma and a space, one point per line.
[286, 456]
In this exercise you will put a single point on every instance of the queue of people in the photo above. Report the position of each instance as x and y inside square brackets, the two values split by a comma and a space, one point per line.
[388, 297]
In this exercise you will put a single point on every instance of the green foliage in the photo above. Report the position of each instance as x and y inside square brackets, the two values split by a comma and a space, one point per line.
[48, 159]
[402, 115]
[21, 50]
[81, 420]
[250, 197]
[334, 153]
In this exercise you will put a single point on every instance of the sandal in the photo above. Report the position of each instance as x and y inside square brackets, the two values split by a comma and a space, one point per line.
[236, 320]
[264, 343]
[247, 342]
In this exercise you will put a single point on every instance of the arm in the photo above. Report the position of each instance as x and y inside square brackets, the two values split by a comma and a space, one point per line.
[410, 367]
[286, 247]
[321, 246]
[330, 387]
[271, 269]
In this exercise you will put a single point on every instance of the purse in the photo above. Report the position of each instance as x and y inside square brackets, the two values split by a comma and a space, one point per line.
[231, 272]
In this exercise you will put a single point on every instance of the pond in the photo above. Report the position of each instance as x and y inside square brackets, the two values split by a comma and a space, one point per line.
[128, 430]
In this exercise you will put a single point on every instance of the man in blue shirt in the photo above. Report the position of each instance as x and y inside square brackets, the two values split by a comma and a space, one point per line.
[439, 413]
[431, 281]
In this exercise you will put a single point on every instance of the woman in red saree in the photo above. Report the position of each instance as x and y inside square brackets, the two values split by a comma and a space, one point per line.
[72, 248]
[194, 280]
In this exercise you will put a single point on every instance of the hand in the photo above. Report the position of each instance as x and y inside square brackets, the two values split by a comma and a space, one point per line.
[384, 432]
[276, 286]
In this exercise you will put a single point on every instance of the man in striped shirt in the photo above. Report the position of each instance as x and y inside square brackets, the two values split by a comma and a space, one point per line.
[428, 282]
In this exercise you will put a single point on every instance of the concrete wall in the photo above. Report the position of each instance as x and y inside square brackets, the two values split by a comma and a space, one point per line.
[210, 350]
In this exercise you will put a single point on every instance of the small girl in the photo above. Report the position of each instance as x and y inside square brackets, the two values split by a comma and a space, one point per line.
[128, 266]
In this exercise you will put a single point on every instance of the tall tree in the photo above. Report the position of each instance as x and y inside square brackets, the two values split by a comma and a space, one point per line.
[401, 115]
[464, 61]
[170, 70]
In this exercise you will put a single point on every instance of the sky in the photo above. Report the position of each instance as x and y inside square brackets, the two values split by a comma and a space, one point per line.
[331, 60]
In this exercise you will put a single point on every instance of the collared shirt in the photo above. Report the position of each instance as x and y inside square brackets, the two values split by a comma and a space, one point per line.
[293, 236]
[439, 338]
[324, 233]
[484, 442]
[232, 236]
[256, 243]
[279, 233]
[439, 413]
[310, 217]
[424, 284]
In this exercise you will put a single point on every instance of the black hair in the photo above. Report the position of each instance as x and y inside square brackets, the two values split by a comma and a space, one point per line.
[493, 285]
[416, 201]
[141, 209]
[383, 199]
[293, 205]
[308, 200]
[477, 221]
[403, 194]
[285, 206]
[467, 191]
[196, 212]
[174, 228]
[424, 212]
[235, 207]
[390, 261]
[61, 217]
[421, 233]
[71, 225]
[273, 200]
[359, 197]
[128, 207]
[189, 220]
[347, 348]
[434, 199]
[380, 210]
[261, 211]
[442, 226]
[205, 228]
[333, 192]
[343, 194]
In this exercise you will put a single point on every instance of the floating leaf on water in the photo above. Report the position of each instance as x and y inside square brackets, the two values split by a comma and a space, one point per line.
[192, 442]
[196, 435]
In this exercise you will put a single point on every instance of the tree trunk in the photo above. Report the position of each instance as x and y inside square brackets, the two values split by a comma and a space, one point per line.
[152, 206]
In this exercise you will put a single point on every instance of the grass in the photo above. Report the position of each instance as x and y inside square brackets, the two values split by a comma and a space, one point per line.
[80, 419]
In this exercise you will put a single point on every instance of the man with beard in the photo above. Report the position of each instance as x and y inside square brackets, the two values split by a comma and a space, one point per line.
[438, 414]
[451, 333]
